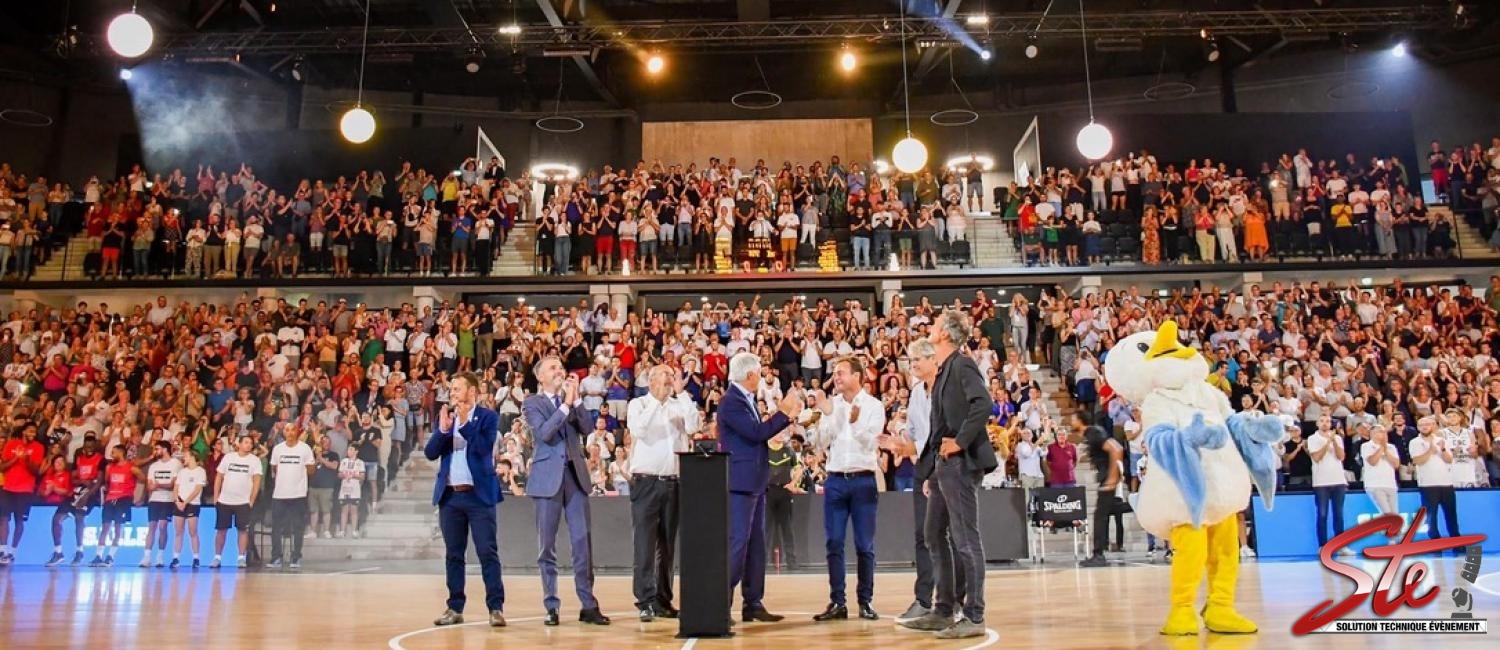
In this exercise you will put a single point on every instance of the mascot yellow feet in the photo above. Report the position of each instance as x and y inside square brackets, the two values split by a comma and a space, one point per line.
[1182, 621]
[1225, 620]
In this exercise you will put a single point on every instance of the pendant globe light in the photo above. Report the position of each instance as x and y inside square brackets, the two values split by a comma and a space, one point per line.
[358, 125]
[910, 155]
[1094, 141]
[130, 35]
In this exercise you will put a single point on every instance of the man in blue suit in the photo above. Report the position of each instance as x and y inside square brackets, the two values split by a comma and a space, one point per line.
[466, 494]
[560, 485]
[744, 434]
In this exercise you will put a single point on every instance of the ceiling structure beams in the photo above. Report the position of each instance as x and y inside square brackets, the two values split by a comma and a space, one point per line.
[585, 65]
[801, 32]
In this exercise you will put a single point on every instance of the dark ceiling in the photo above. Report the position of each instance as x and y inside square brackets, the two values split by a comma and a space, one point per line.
[31, 32]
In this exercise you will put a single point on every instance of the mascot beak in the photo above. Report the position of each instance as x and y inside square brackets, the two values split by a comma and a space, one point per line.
[1166, 344]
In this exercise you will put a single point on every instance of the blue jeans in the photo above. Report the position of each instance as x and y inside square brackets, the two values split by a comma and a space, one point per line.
[1325, 496]
[861, 245]
[844, 499]
[461, 514]
[905, 483]
[562, 250]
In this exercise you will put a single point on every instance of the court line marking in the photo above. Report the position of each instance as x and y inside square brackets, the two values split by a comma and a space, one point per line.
[354, 571]
[689, 645]
[1479, 583]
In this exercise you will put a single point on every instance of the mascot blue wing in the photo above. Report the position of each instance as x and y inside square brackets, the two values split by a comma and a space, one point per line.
[1255, 437]
[1174, 452]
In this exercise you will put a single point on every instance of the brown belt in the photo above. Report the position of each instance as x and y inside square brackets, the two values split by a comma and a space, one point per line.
[462, 488]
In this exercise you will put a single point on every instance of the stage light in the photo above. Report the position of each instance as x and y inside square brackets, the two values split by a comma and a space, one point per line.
[297, 70]
[962, 163]
[1211, 51]
[1095, 141]
[910, 155]
[126, 74]
[985, 55]
[472, 62]
[554, 171]
[357, 125]
[1032, 50]
[655, 64]
[1399, 49]
[977, 20]
[848, 61]
[881, 167]
[130, 35]
[510, 30]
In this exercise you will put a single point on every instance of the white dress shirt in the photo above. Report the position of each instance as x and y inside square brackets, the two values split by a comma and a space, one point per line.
[655, 440]
[919, 414]
[851, 446]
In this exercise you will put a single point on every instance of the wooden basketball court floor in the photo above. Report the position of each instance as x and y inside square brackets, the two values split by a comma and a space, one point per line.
[1053, 606]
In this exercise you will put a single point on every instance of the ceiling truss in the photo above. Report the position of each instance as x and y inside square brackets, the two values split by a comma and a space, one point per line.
[813, 32]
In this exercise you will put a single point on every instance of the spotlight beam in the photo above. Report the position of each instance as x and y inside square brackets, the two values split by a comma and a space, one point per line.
[930, 57]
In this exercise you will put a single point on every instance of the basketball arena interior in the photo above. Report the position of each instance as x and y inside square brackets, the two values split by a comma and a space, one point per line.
[1151, 323]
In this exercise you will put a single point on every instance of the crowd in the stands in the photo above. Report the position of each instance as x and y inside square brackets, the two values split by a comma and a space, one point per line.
[360, 383]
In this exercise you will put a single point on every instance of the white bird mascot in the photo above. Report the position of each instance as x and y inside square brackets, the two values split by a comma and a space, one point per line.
[1198, 481]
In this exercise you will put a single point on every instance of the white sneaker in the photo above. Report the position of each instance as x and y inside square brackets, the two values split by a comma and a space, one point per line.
[146, 563]
[241, 563]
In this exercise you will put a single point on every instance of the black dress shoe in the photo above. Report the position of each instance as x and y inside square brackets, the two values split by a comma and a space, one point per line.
[647, 614]
[868, 613]
[593, 617]
[753, 614]
[664, 610]
[550, 620]
[835, 612]
[449, 617]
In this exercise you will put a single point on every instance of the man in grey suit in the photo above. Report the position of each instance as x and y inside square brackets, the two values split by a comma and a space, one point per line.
[560, 485]
[950, 471]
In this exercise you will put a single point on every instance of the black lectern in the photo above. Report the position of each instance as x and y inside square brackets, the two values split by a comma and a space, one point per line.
[703, 547]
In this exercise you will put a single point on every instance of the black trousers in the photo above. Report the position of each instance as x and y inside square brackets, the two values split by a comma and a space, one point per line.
[926, 577]
[952, 525]
[779, 533]
[653, 519]
[288, 519]
[1108, 503]
[1440, 496]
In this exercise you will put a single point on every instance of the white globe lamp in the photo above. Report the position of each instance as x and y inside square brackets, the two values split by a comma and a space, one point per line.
[130, 35]
[910, 155]
[1095, 141]
[357, 125]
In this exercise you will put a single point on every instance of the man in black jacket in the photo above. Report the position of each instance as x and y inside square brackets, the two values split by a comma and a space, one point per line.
[950, 472]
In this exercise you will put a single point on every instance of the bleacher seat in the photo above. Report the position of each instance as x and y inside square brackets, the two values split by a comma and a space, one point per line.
[1108, 248]
[1129, 249]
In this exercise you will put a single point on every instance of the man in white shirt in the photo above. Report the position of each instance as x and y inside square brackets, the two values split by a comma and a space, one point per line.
[1380, 463]
[290, 337]
[291, 465]
[1433, 460]
[852, 430]
[661, 423]
[159, 507]
[236, 487]
[1326, 448]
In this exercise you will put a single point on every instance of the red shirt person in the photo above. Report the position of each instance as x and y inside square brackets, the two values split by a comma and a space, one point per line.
[20, 463]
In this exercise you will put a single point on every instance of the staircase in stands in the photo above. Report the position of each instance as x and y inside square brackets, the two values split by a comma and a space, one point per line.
[993, 246]
[404, 528]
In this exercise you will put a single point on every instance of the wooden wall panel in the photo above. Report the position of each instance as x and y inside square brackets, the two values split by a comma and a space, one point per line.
[798, 141]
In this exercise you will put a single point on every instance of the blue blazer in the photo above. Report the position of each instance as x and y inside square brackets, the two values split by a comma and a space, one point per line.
[550, 429]
[479, 433]
[744, 436]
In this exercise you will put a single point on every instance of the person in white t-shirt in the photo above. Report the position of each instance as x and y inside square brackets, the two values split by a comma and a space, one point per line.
[159, 476]
[1029, 461]
[351, 479]
[236, 487]
[1380, 463]
[1326, 449]
[1460, 438]
[1430, 453]
[187, 494]
[291, 465]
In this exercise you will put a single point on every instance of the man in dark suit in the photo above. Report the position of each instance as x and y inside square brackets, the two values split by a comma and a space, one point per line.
[560, 485]
[466, 494]
[744, 434]
[951, 471]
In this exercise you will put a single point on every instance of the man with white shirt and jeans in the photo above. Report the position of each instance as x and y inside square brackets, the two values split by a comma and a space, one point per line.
[236, 487]
[852, 430]
[1326, 449]
[291, 465]
[661, 423]
[1433, 459]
